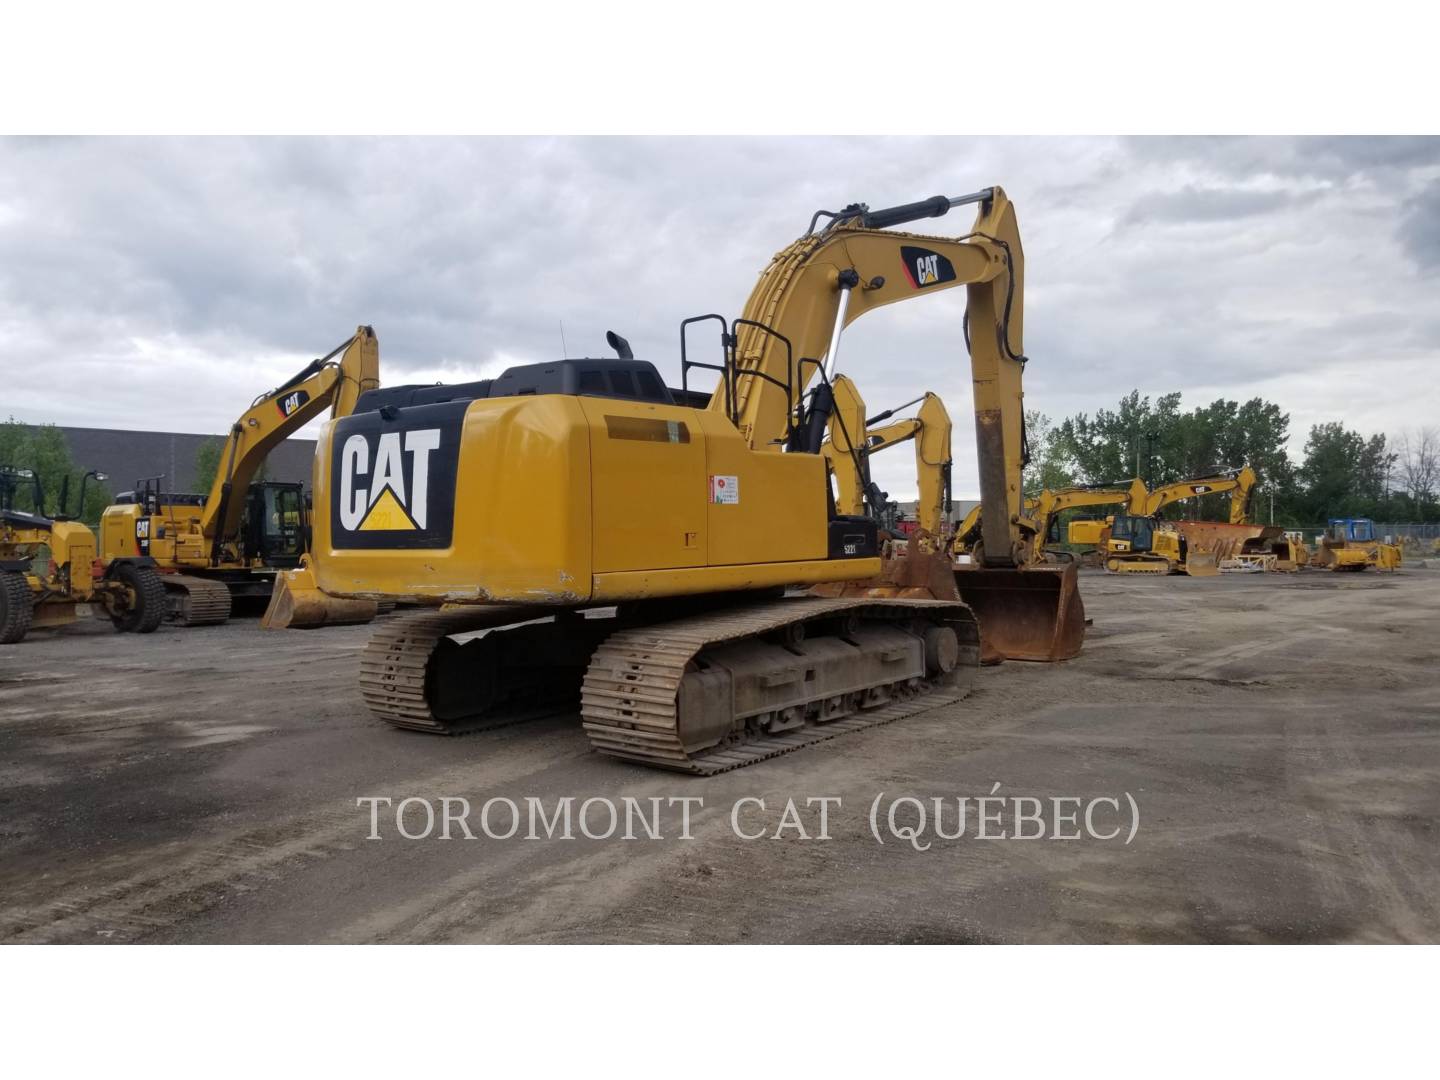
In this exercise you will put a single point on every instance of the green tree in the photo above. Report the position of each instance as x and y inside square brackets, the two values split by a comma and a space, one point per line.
[1345, 474]
[207, 464]
[1163, 443]
[42, 449]
[1049, 461]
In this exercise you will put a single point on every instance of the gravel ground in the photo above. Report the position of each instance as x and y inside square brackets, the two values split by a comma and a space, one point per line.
[1279, 735]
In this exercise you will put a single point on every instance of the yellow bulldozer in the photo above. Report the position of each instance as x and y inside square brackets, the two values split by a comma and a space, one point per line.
[668, 557]
[1351, 544]
[48, 568]
[230, 543]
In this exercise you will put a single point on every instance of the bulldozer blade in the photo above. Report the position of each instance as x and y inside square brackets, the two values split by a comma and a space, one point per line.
[1033, 613]
[296, 603]
[1201, 564]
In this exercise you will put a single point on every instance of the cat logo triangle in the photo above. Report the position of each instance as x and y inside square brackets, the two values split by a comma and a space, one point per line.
[386, 515]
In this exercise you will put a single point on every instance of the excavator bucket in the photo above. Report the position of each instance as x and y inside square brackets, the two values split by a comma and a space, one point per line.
[296, 603]
[1030, 614]
[1033, 613]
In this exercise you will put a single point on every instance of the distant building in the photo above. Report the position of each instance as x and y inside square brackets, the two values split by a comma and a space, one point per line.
[959, 508]
[128, 456]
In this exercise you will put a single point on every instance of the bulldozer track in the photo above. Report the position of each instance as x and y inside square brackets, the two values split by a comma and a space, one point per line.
[629, 701]
[394, 664]
[202, 602]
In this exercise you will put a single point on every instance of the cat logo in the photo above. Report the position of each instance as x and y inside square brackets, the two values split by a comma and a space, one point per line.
[292, 401]
[392, 480]
[924, 268]
[1201, 489]
[387, 503]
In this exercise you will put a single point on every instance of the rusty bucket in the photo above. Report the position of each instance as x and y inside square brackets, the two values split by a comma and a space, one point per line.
[1030, 614]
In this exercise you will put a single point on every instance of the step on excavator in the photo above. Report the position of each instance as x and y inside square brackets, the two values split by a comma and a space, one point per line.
[639, 547]
[66, 586]
[212, 549]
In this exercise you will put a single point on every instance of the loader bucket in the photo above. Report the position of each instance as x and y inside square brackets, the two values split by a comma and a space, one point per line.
[1030, 614]
[296, 603]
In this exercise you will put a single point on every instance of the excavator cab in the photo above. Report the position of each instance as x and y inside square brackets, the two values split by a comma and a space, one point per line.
[274, 524]
[1132, 532]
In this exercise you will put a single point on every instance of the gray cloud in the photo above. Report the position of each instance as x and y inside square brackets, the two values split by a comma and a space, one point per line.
[164, 282]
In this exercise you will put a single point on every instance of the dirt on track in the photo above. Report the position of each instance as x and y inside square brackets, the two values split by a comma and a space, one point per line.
[1280, 735]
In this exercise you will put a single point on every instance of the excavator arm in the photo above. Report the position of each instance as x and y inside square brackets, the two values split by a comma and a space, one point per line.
[791, 330]
[1239, 482]
[929, 429]
[827, 279]
[337, 384]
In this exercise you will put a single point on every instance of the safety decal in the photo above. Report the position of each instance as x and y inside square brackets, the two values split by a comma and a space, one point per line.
[725, 490]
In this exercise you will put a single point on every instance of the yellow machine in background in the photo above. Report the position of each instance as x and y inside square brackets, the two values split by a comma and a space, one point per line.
[65, 587]
[1143, 544]
[1351, 544]
[848, 455]
[230, 543]
[1240, 483]
[557, 491]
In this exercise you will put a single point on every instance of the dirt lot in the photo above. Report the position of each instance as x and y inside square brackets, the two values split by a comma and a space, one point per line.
[1280, 736]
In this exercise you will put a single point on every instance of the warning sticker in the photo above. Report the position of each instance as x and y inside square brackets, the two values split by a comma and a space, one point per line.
[724, 489]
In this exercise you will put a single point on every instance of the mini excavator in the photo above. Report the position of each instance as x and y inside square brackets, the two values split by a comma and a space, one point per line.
[230, 543]
[672, 558]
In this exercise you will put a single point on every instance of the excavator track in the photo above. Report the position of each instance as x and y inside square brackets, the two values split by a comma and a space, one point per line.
[411, 677]
[196, 601]
[682, 695]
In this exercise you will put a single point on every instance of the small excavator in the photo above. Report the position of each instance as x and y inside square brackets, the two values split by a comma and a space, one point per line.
[1141, 542]
[849, 456]
[211, 549]
[66, 588]
[672, 560]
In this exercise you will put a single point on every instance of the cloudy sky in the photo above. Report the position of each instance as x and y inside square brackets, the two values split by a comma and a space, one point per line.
[164, 283]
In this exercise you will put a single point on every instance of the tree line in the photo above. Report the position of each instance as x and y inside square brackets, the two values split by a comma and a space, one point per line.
[1343, 473]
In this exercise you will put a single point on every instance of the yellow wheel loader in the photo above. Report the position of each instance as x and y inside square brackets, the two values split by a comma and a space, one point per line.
[655, 553]
[48, 575]
[230, 544]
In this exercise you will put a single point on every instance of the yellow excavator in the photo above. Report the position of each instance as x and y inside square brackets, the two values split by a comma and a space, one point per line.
[849, 457]
[230, 543]
[1141, 542]
[1044, 510]
[637, 547]
[65, 587]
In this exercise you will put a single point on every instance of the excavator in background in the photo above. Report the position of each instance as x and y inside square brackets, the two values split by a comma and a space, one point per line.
[66, 587]
[1240, 483]
[1146, 543]
[230, 543]
[1351, 544]
[637, 547]
[849, 457]
[1044, 509]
